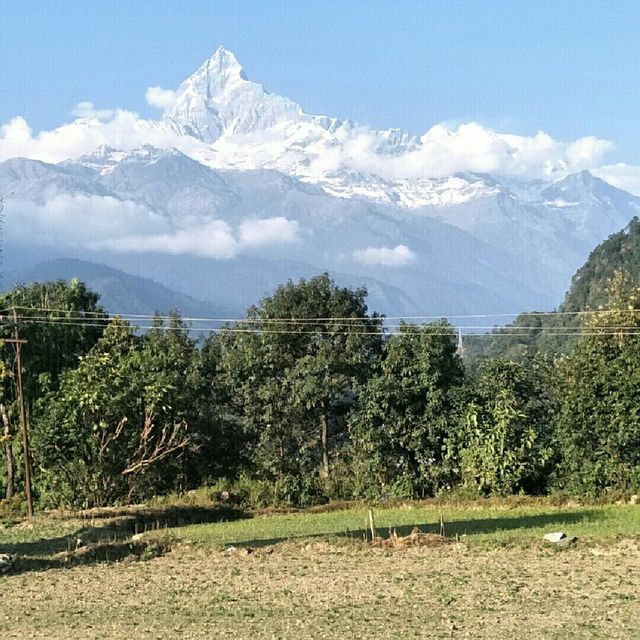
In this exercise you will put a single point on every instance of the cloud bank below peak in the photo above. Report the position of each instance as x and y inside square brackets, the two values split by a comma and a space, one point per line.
[398, 256]
[103, 222]
[443, 151]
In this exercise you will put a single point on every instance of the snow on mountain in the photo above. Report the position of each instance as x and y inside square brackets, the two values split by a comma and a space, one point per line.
[234, 172]
[219, 99]
[248, 128]
[411, 194]
[102, 159]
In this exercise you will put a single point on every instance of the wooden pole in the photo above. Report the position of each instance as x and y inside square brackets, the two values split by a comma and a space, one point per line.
[324, 439]
[8, 452]
[23, 419]
[372, 525]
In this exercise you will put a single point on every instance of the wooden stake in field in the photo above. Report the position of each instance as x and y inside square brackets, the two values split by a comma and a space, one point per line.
[372, 526]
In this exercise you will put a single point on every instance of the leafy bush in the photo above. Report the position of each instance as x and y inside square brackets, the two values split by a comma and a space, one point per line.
[505, 445]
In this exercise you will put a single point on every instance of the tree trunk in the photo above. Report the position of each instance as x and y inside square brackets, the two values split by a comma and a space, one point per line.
[324, 438]
[8, 452]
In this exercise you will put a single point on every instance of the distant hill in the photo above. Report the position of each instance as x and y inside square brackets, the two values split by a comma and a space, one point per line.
[620, 252]
[589, 290]
[120, 292]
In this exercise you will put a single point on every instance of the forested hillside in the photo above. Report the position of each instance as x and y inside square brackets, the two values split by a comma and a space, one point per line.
[541, 332]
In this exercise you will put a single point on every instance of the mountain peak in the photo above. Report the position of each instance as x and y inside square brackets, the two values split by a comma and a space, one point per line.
[219, 98]
[101, 151]
[580, 180]
[224, 61]
[102, 159]
[215, 78]
[148, 153]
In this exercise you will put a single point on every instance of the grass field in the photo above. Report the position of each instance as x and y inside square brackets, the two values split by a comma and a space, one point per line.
[311, 575]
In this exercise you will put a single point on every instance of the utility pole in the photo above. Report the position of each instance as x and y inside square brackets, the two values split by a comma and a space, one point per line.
[23, 418]
[1, 241]
[2, 198]
[460, 347]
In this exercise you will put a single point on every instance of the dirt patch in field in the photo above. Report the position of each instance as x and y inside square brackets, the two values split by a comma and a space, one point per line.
[415, 539]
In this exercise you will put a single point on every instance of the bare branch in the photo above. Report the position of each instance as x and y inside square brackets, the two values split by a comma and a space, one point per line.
[153, 447]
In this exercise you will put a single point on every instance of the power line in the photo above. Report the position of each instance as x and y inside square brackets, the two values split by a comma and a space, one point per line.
[510, 329]
[332, 318]
[289, 323]
[622, 330]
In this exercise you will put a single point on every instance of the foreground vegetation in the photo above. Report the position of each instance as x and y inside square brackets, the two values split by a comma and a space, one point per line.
[311, 574]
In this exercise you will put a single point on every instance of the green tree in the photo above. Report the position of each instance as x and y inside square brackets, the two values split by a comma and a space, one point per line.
[118, 424]
[293, 368]
[406, 414]
[224, 443]
[176, 392]
[61, 322]
[599, 423]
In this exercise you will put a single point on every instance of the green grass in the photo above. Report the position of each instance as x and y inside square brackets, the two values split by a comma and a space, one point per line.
[492, 525]
[41, 536]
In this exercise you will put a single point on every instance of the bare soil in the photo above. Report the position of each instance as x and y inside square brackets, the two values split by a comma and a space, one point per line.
[323, 589]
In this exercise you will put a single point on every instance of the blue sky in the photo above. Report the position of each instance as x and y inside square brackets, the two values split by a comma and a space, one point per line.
[568, 68]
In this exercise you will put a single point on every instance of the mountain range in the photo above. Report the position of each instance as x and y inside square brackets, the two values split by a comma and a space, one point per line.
[237, 189]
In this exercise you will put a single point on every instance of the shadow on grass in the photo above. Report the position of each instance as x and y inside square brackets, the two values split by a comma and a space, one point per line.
[468, 527]
[101, 551]
[106, 535]
[114, 537]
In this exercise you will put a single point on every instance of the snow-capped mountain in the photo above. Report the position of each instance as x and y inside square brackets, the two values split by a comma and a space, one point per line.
[218, 99]
[248, 127]
[239, 189]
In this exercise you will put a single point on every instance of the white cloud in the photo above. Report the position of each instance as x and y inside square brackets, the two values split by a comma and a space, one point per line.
[79, 220]
[309, 149]
[102, 222]
[86, 109]
[160, 98]
[621, 175]
[268, 231]
[471, 147]
[213, 239]
[398, 256]
[123, 130]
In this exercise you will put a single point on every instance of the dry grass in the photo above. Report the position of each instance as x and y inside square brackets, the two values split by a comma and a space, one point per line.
[327, 590]
[415, 539]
